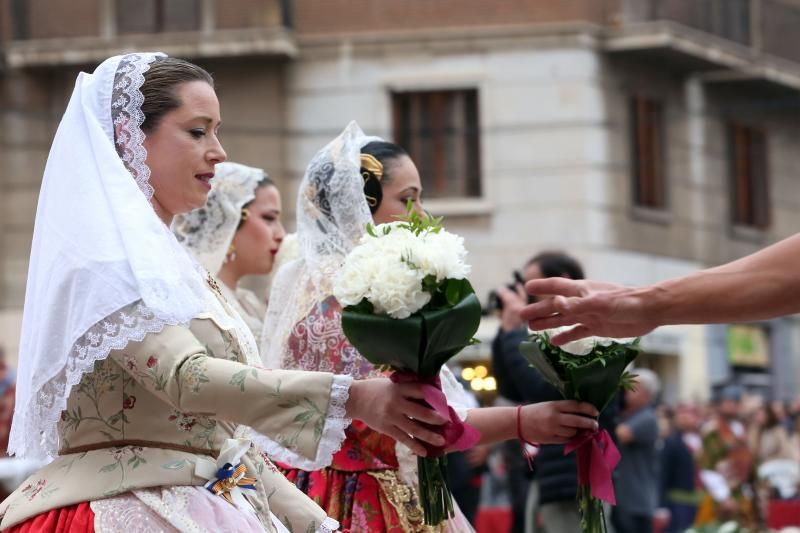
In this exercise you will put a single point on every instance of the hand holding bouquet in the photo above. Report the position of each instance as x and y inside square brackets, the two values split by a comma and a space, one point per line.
[590, 370]
[409, 307]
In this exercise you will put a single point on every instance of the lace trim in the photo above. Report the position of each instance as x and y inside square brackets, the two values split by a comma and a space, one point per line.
[188, 509]
[126, 513]
[332, 438]
[131, 323]
[329, 525]
[127, 116]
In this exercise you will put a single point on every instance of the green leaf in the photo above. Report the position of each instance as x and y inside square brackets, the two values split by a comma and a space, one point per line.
[448, 331]
[318, 427]
[537, 359]
[109, 468]
[311, 405]
[304, 417]
[175, 465]
[598, 380]
[371, 230]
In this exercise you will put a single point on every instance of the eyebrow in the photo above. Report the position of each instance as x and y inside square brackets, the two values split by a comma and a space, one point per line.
[412, 188]
[206, 119]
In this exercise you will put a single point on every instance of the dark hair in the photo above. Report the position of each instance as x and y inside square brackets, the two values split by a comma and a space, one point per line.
[160, 82]
[557, 265]
[387, 153]
[266, 181]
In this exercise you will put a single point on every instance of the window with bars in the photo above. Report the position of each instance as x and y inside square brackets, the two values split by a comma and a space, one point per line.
[156, 16]
[647, 153]
[749, 178]
[441, 132]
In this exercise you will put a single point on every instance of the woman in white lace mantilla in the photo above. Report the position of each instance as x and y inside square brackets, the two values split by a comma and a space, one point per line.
[237, 233]
[136, 376]
[371, 484]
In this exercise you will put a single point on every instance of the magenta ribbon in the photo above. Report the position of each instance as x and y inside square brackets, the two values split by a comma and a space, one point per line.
[597, 456]
[458, 435]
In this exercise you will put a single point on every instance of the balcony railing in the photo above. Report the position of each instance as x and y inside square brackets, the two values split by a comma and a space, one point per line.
[766, 26]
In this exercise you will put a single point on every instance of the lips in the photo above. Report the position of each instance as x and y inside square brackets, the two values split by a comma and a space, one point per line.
[205, 179]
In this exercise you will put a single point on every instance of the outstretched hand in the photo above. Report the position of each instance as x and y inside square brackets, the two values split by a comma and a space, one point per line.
[390, 408]
[556, 422]
[594, 308]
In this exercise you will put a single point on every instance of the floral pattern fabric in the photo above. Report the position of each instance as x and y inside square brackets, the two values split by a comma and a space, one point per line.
[146, 414]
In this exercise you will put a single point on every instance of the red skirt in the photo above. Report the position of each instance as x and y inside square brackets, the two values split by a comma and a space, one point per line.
[346, 490]
[78, 518]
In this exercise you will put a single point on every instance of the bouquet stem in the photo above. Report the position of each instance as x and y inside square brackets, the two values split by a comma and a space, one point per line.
[593, 519]
[434, 495]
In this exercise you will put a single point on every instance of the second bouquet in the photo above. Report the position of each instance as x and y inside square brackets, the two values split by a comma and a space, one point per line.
[591, 370]
[409, 307]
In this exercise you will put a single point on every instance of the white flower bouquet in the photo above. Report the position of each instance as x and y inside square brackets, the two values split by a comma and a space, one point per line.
[409, 307]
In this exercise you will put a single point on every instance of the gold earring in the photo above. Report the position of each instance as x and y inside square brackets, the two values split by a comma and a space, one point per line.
[231, 255]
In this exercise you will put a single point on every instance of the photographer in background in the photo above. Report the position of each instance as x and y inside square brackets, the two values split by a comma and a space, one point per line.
[555, 473]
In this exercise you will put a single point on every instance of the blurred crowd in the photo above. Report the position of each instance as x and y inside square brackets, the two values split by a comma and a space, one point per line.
[743, 454]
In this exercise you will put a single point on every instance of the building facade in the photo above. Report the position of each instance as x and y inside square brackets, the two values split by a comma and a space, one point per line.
[647, 138]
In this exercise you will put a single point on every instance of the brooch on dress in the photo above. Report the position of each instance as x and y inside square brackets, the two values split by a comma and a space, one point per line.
[225, 479]
[229, 479]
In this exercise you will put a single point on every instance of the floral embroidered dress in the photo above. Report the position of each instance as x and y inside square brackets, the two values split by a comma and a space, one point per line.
[371, 484]
[249, 307]
[135, 429]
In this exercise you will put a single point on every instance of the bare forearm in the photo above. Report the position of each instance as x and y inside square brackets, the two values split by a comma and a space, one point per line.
[545, 422]
[495, 423]
[760, 286]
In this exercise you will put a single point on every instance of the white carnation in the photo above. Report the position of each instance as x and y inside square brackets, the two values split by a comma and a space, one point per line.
[443, 255]
[388, 268]
[580, 347]
[352, 282]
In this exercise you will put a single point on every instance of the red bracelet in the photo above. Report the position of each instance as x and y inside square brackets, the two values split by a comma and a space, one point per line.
[523, 441]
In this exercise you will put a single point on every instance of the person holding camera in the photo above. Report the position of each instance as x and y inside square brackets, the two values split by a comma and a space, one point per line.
[556, 474]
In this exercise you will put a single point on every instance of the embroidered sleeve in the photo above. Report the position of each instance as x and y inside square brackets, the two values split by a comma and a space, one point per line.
[294, 409]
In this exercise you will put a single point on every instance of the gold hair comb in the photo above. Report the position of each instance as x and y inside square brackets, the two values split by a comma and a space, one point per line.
[375, 167]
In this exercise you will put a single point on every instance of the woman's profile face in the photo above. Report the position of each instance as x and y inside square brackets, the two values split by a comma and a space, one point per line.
[259, 237]
[183, 149]
[403, 186]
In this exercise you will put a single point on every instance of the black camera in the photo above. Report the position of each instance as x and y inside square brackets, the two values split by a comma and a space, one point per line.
[494, 301]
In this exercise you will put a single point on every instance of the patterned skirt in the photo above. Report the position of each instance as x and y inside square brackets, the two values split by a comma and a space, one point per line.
[362, 488]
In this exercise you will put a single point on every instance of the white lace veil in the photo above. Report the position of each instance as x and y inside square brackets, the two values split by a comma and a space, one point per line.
[104, 269]
[332, 215]
[208, 231]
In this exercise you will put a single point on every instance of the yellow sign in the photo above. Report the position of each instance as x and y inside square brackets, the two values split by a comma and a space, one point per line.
[748, 346]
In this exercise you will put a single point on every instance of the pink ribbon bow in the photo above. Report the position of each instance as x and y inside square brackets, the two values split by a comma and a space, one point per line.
[458, 435]
[597, 456]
